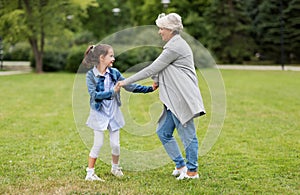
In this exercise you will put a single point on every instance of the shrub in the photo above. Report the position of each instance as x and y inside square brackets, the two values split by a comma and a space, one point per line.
[74, 59]
[53, 61]
[136, 56]
[84, 37]
[18, 52]
[124, 61]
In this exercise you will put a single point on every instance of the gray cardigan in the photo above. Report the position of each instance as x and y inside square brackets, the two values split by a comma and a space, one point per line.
[178, 82]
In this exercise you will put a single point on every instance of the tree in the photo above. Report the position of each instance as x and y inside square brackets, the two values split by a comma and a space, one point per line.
[292, 26]
[193, 20]
[268, 29]
[35, 20]
[228, 27]
[102, 21]
[144, 12]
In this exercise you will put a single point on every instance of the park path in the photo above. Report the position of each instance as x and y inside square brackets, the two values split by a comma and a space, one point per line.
[229, 67]
[13, 72]
[258, 67]
[15, 67]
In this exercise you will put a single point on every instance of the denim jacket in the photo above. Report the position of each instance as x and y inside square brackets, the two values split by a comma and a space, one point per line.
[95, 85]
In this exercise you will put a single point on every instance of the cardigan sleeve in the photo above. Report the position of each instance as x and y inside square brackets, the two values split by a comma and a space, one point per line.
[162, 61]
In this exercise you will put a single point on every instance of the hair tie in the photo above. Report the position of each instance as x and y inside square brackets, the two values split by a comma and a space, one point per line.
[92, 48]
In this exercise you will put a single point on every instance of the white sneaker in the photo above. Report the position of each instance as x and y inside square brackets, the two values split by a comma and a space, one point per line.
[186, 176]
[93, 177]
[192, 177]
[117, 172]
[178, 172]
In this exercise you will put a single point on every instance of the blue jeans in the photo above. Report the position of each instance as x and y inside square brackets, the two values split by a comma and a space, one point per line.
[187, 133]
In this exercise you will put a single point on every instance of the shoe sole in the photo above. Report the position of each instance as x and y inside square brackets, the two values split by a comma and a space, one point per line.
[188, 177]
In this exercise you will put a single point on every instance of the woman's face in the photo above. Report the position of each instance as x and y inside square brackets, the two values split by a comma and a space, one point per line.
[109, 59]
[165, 34]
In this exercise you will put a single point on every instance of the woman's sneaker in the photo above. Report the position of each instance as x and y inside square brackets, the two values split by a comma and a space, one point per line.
[117, 172]
[93, 177]
[195, 175]
[179, 172]
[189, 175]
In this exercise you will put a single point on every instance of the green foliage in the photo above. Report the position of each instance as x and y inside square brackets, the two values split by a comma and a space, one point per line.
[53, 61]
[85, 4]
[193, 20]
[13, 25]
[136, 56]
[75, 58]
[20, 51]
[35, 21]
[274, 23]
[233, 30]
[268, 29]
[101, 20]
[135, 11]
[150, 6]
[292, 32]
[229, 37]
[84, 38]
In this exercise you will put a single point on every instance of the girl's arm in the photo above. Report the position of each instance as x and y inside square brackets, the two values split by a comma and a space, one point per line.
[136, 88]
[107, 95]
[99, 95]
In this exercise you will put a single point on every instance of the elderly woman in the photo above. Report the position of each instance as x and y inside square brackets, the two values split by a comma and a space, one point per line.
[175, 74]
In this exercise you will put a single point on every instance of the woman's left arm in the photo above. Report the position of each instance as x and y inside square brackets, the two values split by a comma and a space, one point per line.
[161, 62]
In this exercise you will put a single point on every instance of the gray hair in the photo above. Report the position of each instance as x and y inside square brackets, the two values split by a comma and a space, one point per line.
[171, 21]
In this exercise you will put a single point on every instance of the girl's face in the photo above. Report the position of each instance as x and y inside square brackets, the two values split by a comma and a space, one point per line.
[165, 34]
[109, 59]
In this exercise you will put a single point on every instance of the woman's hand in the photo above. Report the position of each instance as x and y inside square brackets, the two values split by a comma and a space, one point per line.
[154, 86]
[117, 88]
[121, 84]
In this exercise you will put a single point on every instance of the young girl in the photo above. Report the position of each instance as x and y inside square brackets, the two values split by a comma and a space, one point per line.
[105, 104]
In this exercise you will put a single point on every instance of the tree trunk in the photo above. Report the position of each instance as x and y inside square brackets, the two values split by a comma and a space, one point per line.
[38, 55]
[38, 52]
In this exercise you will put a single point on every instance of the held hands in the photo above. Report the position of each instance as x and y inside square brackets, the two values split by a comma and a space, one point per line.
[117, 88]
[122, 84]
[154, 86]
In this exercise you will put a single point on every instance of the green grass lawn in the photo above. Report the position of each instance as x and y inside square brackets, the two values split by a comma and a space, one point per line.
[257, 152]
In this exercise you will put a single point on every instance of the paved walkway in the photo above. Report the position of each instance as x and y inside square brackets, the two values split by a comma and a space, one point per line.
[15, 67]
[13, 72]
[258, 67]
[230, 67]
